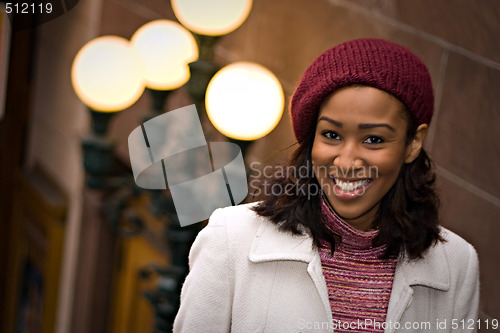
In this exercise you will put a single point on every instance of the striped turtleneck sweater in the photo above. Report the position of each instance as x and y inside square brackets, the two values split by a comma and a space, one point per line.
[359, 283]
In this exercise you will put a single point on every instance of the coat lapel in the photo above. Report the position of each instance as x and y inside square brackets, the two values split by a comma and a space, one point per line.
[270, 244]
[431, 271]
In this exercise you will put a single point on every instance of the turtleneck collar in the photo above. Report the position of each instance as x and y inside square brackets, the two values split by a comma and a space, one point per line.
[349, 236]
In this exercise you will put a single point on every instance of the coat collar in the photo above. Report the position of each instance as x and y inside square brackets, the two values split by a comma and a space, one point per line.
[271, 244]
[432, 270]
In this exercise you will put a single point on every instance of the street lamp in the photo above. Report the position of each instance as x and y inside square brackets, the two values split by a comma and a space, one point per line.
[166, 48]
[109, 74]
[208, 20]
[108, 77]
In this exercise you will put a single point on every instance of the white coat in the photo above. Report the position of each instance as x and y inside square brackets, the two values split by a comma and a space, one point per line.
[247, 276]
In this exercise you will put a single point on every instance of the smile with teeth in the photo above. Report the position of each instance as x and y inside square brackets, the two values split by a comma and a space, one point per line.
[350, 186]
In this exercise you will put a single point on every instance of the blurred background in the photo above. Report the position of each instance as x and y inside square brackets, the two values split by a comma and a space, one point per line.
[83, 250]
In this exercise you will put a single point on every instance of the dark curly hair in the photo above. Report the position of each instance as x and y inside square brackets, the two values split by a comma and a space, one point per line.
[407, 216]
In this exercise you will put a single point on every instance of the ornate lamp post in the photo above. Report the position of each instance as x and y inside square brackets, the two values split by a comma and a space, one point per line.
[166, 49]
[108, 77]
[109, 74]
[208, 20]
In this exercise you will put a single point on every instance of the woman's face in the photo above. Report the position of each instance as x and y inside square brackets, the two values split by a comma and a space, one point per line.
[358, 150]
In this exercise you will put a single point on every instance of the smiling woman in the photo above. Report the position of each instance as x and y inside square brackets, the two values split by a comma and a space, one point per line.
[356, 241]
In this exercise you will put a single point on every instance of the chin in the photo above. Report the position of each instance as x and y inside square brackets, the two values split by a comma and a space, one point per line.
[349, 214]
[351, 211]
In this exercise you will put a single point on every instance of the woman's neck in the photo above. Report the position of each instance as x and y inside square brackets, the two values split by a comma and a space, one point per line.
[364, 222]
[350, 236]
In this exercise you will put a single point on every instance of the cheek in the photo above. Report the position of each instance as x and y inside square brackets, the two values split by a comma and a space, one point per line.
[321, 154]
[388, 164]
[322, 160]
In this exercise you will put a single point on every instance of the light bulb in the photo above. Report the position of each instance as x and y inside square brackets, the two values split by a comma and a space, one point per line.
[212, 18]
[107, 74]
[244, 101]
[165, 48]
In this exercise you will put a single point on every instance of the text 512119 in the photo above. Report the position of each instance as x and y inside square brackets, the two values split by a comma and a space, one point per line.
[28, 8]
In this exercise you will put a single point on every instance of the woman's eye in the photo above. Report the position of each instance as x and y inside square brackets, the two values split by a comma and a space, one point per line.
[374, 140]
[331, 135]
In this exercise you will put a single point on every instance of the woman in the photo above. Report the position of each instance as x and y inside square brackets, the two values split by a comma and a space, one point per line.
[364, 254]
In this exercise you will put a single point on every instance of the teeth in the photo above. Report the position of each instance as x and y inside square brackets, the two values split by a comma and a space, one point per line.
[348, 186]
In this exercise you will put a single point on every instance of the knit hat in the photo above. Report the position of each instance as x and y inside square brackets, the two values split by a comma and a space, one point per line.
[373, 62]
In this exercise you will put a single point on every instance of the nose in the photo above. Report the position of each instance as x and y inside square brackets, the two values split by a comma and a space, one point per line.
[347, 157]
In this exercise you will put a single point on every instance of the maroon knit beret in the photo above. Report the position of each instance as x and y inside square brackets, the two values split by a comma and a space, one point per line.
[373, 62]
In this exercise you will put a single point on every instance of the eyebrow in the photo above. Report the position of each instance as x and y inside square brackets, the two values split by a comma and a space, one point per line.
[361, 126]
[330, 120]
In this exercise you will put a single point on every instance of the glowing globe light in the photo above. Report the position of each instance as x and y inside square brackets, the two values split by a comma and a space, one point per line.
[107, 74]
[165, 48]
[212, 18]
[244, 101]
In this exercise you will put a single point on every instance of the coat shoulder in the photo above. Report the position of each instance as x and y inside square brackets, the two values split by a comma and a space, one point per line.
[240, 222]
[460, 255]
[455, 246]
